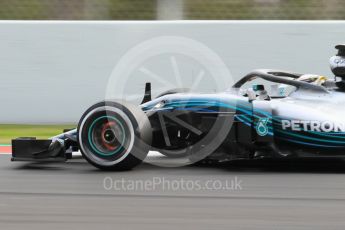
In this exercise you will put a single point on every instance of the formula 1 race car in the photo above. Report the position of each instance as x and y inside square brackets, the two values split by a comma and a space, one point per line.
[305, 118]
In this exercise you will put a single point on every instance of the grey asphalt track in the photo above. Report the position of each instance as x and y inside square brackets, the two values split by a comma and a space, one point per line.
[288, 195]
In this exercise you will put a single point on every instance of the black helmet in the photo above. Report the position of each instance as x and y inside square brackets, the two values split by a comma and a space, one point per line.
[337, 62]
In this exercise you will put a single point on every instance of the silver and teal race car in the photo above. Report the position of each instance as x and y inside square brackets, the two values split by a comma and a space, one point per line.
[301, 115]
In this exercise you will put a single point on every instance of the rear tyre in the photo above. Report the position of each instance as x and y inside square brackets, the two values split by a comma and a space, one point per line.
[114, 136]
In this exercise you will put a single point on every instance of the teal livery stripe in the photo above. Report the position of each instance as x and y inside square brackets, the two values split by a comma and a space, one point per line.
[307, 138]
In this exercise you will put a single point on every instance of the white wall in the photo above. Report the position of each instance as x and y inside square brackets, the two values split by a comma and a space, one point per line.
[51, 72]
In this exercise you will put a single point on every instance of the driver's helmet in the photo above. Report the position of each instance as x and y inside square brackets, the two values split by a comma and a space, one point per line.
[313, 79]
[337, 62]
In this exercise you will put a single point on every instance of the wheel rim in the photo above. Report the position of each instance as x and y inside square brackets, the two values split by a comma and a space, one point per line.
[85, 136]
[107, 135]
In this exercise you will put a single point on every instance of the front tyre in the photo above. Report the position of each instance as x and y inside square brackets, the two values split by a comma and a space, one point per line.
[114, 136]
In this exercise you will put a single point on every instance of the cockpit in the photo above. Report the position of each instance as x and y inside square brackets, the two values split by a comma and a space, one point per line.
[279, 84]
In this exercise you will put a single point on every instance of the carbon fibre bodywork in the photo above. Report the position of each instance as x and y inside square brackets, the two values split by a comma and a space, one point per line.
[309, 122]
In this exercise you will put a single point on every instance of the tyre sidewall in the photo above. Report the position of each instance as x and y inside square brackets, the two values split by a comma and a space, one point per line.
[137, 123]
